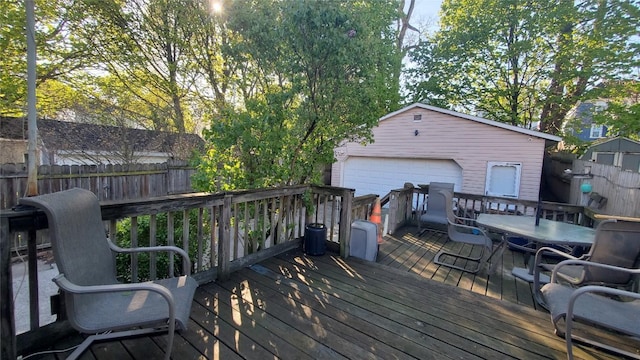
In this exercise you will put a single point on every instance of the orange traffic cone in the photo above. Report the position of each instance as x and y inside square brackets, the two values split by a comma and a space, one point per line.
[376, 218]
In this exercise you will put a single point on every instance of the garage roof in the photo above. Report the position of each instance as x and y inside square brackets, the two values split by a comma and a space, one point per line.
[476, 119]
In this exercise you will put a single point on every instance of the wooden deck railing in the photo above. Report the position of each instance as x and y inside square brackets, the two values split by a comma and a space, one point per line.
[404, 202]
[221, 232]
[227, 231]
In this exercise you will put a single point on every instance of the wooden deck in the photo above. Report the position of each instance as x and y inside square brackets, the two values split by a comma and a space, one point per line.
[408, 251]
[299, 307]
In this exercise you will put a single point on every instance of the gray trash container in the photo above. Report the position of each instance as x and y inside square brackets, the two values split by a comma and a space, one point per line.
[364, 240]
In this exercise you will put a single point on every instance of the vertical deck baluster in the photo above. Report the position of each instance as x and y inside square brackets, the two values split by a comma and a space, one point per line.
[298, 209]
[345, 220]
[245, 223]
[236, 240]
[170, 240]
[134, 243]
[200, 240]
[280, 220]
[185, 238]
[256, 225]
[302, 217]
[272, 205]
[224, 238]
[153, 266]
[213, 249]
[263, 205]
[333, 216]
[286, 217]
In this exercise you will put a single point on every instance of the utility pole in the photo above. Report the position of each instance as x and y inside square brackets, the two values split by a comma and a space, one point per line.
[32, 178]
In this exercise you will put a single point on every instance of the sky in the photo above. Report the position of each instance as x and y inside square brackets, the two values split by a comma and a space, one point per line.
[426, 11]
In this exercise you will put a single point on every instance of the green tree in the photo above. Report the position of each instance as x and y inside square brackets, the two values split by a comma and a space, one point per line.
[317, 73]
[144, 44]
[522, 62]
[61, 54]
[622, 113]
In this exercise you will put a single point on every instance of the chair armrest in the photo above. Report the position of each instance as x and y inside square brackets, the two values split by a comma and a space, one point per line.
[536, 269]
[68, 286]
[181, 252]
[542, 250]
[463, 226]
[465, 220]
[601, 290]
[590, 263]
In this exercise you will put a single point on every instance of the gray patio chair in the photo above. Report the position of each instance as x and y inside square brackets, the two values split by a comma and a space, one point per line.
[593, 305]
[616, 243]
[96, 303]
[433, 210]
[460, 230]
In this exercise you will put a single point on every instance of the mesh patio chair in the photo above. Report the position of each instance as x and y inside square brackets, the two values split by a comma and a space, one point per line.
[434, 211]
[616, 243]
[604, 307]
[96, 302]
[460, 230]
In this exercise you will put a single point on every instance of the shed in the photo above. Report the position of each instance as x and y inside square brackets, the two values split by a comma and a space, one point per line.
[422, 143]
[619, 151]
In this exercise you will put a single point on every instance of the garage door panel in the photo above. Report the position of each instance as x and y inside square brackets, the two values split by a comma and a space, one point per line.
[379, 176]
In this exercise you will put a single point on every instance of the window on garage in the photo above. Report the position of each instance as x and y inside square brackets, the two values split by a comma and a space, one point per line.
[503, 179]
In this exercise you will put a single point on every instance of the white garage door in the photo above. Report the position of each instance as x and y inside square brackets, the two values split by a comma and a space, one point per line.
[380, 175]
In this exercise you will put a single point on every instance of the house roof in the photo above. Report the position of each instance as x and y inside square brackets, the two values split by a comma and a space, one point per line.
[62, 135]
[476, 119]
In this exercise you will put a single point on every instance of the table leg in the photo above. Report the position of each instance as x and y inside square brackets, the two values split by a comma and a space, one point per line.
[497, 250]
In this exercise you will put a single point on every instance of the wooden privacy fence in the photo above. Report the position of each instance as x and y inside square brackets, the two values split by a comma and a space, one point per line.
[620, 187]
[109, 182]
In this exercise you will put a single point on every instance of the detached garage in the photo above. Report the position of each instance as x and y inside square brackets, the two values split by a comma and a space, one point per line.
[420, 144]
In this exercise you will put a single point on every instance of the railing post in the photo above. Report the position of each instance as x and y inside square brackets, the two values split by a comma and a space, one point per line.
[344, 234]
[408, 215]
[224, 242]
[393, 210]
[7, 324]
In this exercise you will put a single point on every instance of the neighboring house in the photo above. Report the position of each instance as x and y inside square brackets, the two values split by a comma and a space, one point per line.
[422, 143]
[581, 123]
[619, 151]
[68, 143]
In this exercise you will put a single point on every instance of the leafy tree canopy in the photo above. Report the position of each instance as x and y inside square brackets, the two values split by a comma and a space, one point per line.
[61, 53]
[622, 113]
[523, 62]
[323, 75]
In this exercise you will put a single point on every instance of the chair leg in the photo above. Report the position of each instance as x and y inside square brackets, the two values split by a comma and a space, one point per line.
[478, 259]
[499, 251]
[120, 334]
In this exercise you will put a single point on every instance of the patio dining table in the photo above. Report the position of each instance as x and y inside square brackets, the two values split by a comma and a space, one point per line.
[548, 232]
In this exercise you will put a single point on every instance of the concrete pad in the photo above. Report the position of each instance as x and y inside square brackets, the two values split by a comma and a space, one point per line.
[46, 287]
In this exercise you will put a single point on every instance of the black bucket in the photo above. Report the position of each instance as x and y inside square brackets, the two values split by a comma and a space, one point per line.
[315, 236]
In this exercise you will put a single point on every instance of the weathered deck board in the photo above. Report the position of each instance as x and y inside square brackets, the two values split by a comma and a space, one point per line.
[406, 244]
[295, 306]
